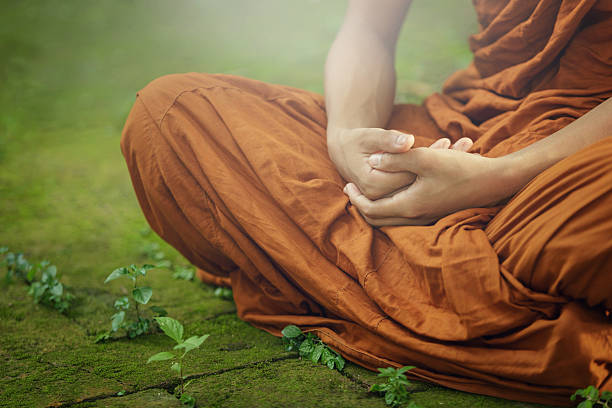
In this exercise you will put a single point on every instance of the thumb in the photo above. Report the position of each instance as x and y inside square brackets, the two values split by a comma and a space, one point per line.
[414, 161]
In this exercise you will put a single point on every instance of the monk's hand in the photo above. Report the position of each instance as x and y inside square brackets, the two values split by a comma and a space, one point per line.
[447, 181]
[350, 150]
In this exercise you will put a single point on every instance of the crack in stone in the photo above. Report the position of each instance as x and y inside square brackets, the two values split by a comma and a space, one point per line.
[169, 385]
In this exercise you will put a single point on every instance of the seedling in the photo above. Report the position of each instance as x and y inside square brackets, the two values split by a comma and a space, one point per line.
[174, 329]
[17, 266]
[394, 389]
[593, 398]
[151, 250]
[311, 347]
[224, 293]
[140, 295]
[48, 291]
[183, 272]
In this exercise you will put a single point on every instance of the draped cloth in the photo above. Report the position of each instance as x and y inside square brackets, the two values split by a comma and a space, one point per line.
[511, 301]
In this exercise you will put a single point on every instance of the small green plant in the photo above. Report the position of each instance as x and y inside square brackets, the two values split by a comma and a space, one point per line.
[174, 329]
[152, 251]
[183, 273]
[395, 391]
[17, 266]
[140, 295]
[48, 291]
[311, 347]
[224, 293]
[593, 398]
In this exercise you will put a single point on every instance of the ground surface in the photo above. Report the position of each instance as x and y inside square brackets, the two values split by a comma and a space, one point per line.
[68, 73]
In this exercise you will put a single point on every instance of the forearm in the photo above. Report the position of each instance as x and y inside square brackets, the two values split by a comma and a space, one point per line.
[360, 72]
[359, 81]
[521, 166]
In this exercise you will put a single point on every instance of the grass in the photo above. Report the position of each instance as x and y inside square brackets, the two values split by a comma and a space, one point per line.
[69, 72]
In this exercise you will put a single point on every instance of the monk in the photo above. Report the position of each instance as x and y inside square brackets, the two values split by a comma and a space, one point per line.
[470, 236]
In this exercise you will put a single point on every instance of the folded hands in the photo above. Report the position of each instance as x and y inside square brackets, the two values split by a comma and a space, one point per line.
[391, 183]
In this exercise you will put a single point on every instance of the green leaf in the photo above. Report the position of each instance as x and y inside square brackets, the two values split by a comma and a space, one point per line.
[160, 311]
[291, 331]
[187, 400]
[121, 393]
[606, 395]
[191, 343]
[585, 404]
[142, 295]
[316, 354]
[380, 387]
[176, 367]
[123, 303]
[404, 369]
[173, 328]
[141, 326]
[37, 289]
[326, 356]
[117, 319]
[102, 337]
[57, 289]
[49, 273]
[389, 397]
[330, 364]
[31, 275]
[118, 273]
[340, 363]
[144, 268]
[592, 393]
[306, 348]
[224, 293]
[164, 264]
[163, 356]
[183, 273]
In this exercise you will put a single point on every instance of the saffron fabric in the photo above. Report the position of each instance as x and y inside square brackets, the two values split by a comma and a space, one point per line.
[511, 301]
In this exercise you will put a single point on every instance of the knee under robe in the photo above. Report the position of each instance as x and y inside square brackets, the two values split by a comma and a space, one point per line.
[511, 301]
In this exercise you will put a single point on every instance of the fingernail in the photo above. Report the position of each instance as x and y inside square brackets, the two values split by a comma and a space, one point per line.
[344, 189]
[401, 139]
[374, 160]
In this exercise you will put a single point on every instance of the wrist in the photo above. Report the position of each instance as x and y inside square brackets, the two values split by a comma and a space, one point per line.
[513, 173]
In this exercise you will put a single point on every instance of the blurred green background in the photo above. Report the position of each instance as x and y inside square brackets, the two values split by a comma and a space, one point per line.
[69, 71]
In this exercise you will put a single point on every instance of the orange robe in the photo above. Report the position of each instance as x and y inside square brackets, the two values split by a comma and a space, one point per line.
[509, 301]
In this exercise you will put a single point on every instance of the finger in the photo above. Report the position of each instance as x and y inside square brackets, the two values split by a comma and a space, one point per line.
[392, 181]
[392, 141]
[383, 208]
[413, 160]
[464, 144]
[443, 143]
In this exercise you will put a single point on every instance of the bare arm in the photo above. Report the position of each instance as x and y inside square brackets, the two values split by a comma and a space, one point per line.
[360, 67]
[448, 181]
[525, 164]
[359, 94]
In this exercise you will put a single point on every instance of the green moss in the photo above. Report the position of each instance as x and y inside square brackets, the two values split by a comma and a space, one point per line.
[154, 398]
[282, 384]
